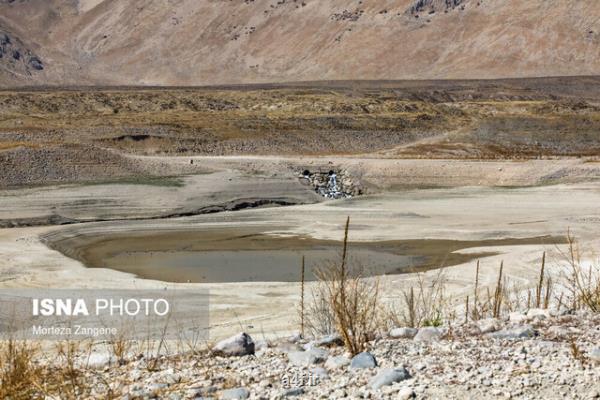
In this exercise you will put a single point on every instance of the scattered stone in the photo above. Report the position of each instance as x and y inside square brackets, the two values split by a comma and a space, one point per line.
[363, 360]
[238, 345]
[311, 356]
[387, 377]
[337, 362]
[595, 354]
[488, 325]
[330, 185]
[465, 365]
[327, 341]
[517, 317]
[520, 332]
[429, 334]
[235, 394]
[406, 393]
[293, 392]
[403, 333]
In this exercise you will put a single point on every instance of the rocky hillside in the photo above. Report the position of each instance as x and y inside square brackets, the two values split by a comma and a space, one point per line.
[16, 58]
[189, 42]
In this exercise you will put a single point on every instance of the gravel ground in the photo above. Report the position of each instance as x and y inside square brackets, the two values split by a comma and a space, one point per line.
[529, 359]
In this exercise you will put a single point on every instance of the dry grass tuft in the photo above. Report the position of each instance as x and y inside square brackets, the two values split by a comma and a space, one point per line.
[425, 306]
[581, 280]
[346, 301]
[19, 374]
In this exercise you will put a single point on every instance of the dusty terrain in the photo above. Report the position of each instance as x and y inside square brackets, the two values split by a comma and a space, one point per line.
[144, 145]
[516, 356]
[496, 200]
[187, 42]
[99, 187]
[78, 135]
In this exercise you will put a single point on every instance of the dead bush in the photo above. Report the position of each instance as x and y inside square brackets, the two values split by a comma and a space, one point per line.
[346, 301]
[581, 278]
[19, 374]
[423, 304]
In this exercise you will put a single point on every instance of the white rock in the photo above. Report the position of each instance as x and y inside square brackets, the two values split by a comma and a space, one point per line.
[520, 332]
[538, 313]
[261, 345]
[488, 325]
[387, 377]
[295, 337]
[97, 360]
[517, 317]
[311, 356]
[429, 334]
[405, 393]
[403, 333]
[595, 354]
[238, 345]
[235, 394]
[326, 341]
[336, 362]
[363, 360]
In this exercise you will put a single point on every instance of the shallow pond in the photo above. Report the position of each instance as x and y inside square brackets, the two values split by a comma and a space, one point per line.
[243, 255]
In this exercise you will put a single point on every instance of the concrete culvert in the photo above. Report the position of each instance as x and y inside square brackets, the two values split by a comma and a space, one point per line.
[331, 184]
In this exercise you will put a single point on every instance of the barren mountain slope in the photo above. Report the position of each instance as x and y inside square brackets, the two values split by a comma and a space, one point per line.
[190, 42]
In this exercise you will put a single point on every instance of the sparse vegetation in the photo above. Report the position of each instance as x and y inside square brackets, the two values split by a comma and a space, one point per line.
[342, 301]
[19, 372]
[580, 278]
[423, 304]
[478, 122]
[348, 301]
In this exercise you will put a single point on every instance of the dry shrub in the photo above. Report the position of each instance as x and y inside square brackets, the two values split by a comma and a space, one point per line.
[423, 304]
[19, 374]
[581, 280]
[73, 380]
[346, 301]
[576, 353]
[318, 315]
[25, 375]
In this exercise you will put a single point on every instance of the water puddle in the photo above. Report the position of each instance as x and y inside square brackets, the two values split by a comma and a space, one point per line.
[244, 255]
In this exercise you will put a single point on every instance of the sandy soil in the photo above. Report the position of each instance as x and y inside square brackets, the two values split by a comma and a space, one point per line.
[465, 212]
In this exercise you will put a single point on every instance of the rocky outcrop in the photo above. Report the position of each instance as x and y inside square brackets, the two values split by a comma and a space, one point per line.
[16, 58]
[433, 6]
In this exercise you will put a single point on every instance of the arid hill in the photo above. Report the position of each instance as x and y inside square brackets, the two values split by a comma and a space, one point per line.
[190, 42]
[82, 134]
